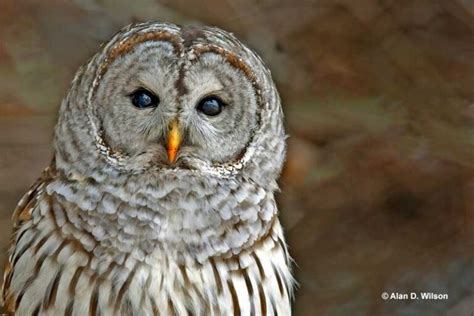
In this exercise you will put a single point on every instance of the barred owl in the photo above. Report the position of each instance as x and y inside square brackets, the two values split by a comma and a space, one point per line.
[160, 198]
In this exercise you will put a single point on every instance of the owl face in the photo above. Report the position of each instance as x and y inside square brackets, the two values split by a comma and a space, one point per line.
[168, 107]
[161, 97]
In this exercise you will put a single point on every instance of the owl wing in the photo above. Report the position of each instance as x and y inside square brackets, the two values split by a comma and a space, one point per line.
[21, 215]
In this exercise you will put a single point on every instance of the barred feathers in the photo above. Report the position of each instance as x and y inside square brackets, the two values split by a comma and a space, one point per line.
[59, 275]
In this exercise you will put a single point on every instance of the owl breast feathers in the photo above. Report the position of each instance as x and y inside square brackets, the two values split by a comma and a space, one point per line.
[160, 197]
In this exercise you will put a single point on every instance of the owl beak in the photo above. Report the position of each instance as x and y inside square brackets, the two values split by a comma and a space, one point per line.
[174, 140]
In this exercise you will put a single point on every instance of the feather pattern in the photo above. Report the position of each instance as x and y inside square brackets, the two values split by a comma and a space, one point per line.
[61, 277]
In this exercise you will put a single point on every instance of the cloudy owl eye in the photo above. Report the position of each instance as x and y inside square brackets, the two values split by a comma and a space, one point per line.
[143, 98]
[210, 106]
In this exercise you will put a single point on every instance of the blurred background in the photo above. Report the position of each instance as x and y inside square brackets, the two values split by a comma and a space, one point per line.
[378, 190]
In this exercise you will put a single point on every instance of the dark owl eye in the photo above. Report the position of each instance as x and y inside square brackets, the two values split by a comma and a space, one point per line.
[142, 99]
[210, 106]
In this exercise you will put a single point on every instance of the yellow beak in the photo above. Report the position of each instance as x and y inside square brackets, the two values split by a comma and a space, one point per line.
[173, 141]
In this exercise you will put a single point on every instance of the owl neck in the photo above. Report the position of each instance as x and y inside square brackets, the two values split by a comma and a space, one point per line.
[182, 215]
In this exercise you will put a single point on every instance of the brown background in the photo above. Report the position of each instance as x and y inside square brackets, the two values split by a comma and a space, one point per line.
[378, 191]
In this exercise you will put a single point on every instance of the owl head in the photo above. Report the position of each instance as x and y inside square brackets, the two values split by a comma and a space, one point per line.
[159, 98]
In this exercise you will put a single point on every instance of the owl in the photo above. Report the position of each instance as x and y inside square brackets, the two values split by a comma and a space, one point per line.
[160, 198]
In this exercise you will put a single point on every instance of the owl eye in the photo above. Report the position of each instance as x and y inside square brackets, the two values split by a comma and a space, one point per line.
[143, 98]
[210, 106]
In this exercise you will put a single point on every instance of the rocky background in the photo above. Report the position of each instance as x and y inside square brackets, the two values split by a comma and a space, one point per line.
[378, 191]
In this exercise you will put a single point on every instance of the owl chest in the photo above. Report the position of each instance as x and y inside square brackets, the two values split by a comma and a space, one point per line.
[53, 277]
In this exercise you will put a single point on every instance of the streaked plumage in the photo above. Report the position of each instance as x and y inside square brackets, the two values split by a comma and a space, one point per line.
[113, 228]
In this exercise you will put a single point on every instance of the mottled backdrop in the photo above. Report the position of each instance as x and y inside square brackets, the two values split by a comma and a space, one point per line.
[378, 191]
